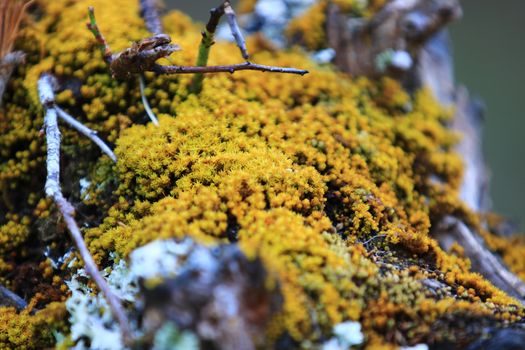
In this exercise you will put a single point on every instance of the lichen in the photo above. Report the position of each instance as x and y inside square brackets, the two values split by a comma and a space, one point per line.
[333, 182]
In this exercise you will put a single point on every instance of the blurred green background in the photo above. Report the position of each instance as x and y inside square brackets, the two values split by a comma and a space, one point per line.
[489, 47]
[488, 43]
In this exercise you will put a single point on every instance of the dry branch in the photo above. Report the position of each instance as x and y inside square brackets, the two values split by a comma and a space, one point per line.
[234, 28]
[401, 26]
[150, 12]
[46, 86]
[89, 133]
[225, 69]
[142, 55]
[435, 71]
[145, 102]
[452, 229]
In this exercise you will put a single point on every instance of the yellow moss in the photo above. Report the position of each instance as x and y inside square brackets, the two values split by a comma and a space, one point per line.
[309, 28]
[23, 330]
[246, 6]
[13, 234]
[299, 170]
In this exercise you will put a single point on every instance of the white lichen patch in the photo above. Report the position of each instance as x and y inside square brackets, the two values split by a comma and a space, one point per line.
[159, 258]
[92, 325]
[346, 335]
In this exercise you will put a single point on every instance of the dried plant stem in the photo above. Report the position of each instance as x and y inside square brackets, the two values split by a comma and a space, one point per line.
[150, 13]
[8, 298]
[452, 230]
[103, 44]
[142, 55]
[208, 39]
[145, 102]
[232, 68]
[236, 31]
[46, 85]
[89, 133]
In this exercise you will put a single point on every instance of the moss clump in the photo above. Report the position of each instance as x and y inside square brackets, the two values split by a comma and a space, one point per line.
[333, 182]
[309, 28]
[25, 330]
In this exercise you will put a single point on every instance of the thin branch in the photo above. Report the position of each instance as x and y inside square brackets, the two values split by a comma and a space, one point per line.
[145, 102]
[451, 229]
[150, 12]
[89, 133]
[46, 86]
[236, 31]
[225, 69]
[365, 243]
[103, 44]
[75, 124]
[208, 37]
[8, 298]
[142, 55]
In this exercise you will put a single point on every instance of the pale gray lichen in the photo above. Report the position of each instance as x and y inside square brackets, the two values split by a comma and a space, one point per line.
[415, 347]
[92, 325]
[346, 335]
[159, 258]
[398, 59]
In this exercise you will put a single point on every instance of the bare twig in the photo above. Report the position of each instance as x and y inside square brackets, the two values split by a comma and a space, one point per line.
[145, 102]
[84, 130]
[236, 31]
[150, 13]
[142, 55]
[103, 44]
[232, 68]
[452, 229]
[365, 243]
[46, 86]
[8, 298]
[89, 133]
[208, 39]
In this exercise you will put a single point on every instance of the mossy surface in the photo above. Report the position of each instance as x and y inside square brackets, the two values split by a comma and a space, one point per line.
[333, 182]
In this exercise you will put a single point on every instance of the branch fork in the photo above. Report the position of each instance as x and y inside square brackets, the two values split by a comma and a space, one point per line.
[47, 84]
[142, 56]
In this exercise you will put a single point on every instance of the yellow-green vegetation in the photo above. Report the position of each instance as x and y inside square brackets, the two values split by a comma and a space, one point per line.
[333, 182]
[29, 329]
[309, 29]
